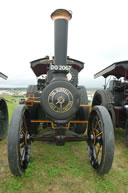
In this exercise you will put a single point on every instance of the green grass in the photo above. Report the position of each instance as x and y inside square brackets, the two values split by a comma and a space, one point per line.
[65, 169]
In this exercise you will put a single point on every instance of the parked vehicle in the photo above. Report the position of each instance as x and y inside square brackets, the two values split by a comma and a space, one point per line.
[3, 114]
[61, 105]
[115, 97]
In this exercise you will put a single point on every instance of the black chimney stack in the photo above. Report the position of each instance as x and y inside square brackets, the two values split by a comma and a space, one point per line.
[61, 18]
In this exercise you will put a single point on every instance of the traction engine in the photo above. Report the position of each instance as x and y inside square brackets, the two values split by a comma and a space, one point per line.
[60, 105]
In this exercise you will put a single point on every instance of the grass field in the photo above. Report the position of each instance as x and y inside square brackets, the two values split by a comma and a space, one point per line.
[64, 169]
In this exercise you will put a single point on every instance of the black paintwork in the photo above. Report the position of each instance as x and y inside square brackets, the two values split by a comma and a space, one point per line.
[41, 66]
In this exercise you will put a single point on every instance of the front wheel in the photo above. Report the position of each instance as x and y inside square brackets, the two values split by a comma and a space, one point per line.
[100, 140]
[19, 141]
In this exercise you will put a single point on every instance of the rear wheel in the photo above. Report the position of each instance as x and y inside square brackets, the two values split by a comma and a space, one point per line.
[33, 112]
[32, 89]
[82, 114]
[104, 98]
[3, 118]
[19, 141]
[100, 140]
[112, 115]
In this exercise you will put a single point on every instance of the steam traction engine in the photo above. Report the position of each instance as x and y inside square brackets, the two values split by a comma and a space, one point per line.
[62, 106]
[3, 114]
[115, 97]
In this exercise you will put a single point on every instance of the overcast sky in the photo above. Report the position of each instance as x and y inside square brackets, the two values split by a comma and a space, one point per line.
[98, 36]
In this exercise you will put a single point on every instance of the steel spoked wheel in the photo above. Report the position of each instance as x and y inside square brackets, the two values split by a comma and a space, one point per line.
[19, 141]
[100, 140]
[3, 118]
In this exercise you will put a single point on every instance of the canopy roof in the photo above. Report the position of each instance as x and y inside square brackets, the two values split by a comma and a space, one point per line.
[3, 76]
[41, 66]
[118, 69]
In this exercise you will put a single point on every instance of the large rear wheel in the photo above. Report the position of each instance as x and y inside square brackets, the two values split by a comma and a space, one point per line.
[105, 98]
[33, 112]
[32, 89]
[102, 97]
[100, 140]
[83, 112]
[19, 141]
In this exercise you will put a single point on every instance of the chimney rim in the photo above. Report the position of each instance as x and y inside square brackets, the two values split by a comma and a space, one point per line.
[61, 14]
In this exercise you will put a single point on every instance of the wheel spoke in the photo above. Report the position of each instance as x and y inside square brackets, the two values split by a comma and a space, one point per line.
[99, 134]
[26, 137]
[22, 154]
[96, 124]
[22, 144]
[97, 154]
[94, 136]
[99, 148]
[22, 131]
[25, 124]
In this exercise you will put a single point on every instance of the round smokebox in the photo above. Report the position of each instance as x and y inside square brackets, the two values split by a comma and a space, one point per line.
[60, 100]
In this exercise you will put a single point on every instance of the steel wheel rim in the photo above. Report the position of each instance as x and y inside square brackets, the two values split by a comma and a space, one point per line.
[24, 143]
[95, 143]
